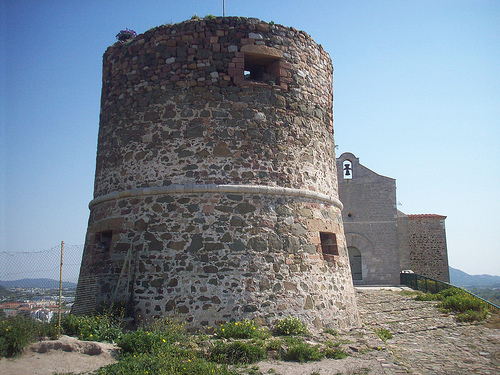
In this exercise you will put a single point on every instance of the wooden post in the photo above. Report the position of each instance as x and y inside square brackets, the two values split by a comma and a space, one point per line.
[60, 291]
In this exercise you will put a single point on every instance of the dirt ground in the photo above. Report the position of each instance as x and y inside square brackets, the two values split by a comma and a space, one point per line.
[65, 355]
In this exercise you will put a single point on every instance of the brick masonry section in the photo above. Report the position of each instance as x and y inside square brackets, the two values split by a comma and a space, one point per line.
[190, 109]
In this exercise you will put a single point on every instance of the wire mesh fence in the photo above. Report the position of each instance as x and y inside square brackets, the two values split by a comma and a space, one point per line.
[33, 283]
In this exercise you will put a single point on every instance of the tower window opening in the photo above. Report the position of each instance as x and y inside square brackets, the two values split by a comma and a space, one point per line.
[262, 68]
[102, 241]
[329, 247]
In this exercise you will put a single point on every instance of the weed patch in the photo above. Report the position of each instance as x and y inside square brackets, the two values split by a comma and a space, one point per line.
[245, 329]
[165, 364]
[289, 326]
[237, 352]
[383, 334]
[17, 332]
[304, 352]
[92, 328]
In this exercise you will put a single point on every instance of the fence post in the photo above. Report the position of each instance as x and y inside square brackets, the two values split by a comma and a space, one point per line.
[60, 291]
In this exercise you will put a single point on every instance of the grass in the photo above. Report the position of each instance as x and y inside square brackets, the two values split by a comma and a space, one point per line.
[237, 352]
[304, 352]
[383, 334]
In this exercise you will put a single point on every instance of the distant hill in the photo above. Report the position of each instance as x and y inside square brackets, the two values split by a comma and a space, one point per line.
[461, 278]
[36, 283]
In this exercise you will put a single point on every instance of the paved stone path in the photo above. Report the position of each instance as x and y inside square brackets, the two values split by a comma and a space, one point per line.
[425, 341]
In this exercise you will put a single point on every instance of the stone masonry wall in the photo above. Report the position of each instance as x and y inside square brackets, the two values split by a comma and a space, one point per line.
[370, 221]
[213, 187]
[428, 250]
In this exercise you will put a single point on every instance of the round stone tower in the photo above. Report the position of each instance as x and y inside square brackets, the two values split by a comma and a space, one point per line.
[215, 193]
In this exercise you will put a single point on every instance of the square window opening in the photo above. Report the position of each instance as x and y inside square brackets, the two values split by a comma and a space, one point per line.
[102, 241]
[262, 68]
[329, 247]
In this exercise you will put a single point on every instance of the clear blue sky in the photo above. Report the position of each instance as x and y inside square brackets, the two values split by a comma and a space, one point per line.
[417, 98]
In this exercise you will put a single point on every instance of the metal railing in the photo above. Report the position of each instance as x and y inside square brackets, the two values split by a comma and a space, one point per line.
[429, 285]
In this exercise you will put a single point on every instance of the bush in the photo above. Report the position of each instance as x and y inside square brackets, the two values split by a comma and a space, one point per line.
[18, 331]
[237, 352]
[303, 352]
[92, 328]
[470, 308]
[462, 302]
[289, 326]
[470, 316]
[246, 329]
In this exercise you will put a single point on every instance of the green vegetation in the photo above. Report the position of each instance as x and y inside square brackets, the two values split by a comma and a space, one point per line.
[383, 334]
[333, 351]
[489, 294]
[164, 363]
[92, 328]
[237, 352]
[304, 352]
[165, 347]
[289, 326]
[331, 331]
[245, 329]
[17, 332]
[210, 17]
[467, 307]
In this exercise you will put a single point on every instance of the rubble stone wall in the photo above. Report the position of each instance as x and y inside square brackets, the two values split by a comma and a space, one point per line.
[215, 178]
[428, 250]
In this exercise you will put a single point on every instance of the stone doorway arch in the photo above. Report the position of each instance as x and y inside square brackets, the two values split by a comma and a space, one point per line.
[363, 250]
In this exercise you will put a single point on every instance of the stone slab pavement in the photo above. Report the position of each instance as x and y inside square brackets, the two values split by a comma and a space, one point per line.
[425, 341]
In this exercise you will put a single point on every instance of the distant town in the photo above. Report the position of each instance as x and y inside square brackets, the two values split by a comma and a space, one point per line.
[40, 303]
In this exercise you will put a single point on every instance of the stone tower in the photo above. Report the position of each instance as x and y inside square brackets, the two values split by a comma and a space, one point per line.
[215, 193]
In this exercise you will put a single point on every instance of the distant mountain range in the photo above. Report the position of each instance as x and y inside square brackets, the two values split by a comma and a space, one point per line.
[460, 278]
[36, 283]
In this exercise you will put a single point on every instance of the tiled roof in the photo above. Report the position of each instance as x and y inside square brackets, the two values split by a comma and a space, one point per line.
[426, 216]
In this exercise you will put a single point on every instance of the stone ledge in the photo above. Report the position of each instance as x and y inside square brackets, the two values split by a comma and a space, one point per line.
[198, 189]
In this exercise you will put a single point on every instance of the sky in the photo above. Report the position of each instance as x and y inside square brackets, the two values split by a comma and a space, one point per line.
[417, 98]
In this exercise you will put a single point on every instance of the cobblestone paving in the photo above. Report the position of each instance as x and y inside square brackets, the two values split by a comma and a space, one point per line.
[425, 341]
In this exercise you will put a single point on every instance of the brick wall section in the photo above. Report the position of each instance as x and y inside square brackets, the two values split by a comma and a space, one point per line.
[370, 212]
[427, 243]
[177, 111]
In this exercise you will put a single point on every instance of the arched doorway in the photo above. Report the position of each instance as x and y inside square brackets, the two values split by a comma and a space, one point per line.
[355, 262]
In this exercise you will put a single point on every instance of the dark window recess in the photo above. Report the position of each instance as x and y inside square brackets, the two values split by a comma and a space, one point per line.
[102, 242]
[329, 247]
[262, 68]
